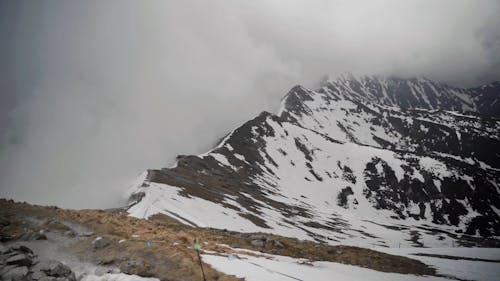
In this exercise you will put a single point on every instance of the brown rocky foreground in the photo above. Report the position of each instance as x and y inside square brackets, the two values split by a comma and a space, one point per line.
[170, 256]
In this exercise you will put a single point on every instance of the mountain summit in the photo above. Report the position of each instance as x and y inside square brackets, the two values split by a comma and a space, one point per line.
[362, 160]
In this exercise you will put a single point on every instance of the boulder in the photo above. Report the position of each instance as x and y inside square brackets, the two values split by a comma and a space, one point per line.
[53, 268]
[4, 268]
[18, 249]
[101, 242]
[43, 266]
[37, 275]
[17, 264]
[5, 237]
[257, 243]
[15, 274]
[32, 236]
[61, 270]
[20, 260]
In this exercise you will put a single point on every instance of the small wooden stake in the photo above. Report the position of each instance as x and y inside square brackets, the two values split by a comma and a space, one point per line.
[201, 265]
[197, 247]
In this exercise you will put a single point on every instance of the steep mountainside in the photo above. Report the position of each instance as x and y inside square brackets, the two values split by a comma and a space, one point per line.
[364, 161]
[402, 93]
[487, 99]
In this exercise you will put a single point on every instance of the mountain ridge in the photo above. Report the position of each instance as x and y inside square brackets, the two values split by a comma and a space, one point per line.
[339, 167]
[404, 92]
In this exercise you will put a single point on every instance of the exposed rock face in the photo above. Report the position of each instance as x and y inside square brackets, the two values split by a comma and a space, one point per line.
[17, 263]
[17, 256]
[487, 99]
[365, 160]
[52, 268]
[20, 259]
[14, 273]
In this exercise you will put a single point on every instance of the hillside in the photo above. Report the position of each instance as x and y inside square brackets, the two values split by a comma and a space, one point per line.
[122, 253]
[367, 161]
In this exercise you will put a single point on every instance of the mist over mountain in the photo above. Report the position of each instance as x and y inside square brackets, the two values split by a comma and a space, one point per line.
[255, 140]
[94, 93]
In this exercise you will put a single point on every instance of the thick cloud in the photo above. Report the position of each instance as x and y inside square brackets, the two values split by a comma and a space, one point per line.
[93, 92]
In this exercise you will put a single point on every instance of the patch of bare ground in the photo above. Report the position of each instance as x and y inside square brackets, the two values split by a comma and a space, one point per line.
[171, 256]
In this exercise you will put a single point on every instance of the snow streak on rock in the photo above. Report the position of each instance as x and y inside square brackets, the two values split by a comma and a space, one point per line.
[362, 161]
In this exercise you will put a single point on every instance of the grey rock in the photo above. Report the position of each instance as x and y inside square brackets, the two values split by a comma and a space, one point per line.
[37, 275]
[70, 233]
[101, 242]
[32, 236]
[61, 270]
[20, 260]
[15, 274]
[86, 234]
[5, 238]
[257, 243]
[53, 268]
[18, 249]
[41, 266]
[5, 268]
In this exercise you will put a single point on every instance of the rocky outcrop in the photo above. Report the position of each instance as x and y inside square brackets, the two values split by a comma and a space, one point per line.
[487, 98]
[18, 263]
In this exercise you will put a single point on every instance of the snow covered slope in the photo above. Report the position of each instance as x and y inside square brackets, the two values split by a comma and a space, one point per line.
[402, 93]
[258, 266]
[362, 161]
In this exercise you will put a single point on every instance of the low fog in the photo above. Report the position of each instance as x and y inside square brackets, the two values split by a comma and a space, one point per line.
[95, 92]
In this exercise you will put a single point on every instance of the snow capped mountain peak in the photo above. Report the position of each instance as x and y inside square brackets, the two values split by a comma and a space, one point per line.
[405, 93]
[362, 160]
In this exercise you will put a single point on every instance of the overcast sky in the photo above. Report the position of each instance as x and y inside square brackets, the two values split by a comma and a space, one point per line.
[94, 92]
